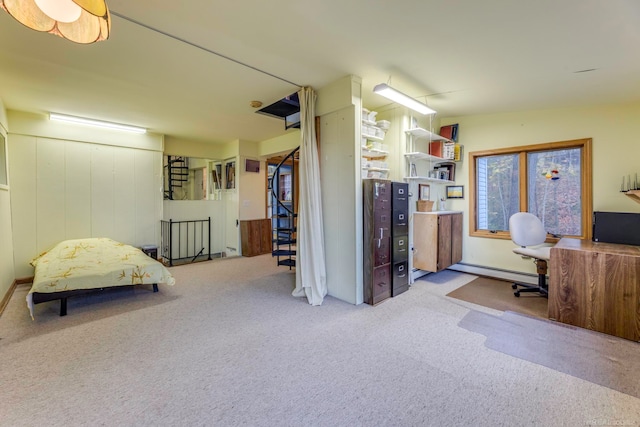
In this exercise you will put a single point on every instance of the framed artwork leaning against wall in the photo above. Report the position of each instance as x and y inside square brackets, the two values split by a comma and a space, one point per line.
[424, 192]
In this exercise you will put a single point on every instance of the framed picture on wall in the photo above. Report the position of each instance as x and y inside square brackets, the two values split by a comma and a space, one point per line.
[251, 165]
[424, 191]
[455, 192]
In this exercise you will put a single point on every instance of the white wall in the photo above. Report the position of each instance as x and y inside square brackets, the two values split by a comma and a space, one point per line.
[614, 130]
[252, 190]
[339, 108]
[187, 210]
[247, 201]
[281, 144]
[251, 185]
[65, 189]
[7, 272]
[231, 224]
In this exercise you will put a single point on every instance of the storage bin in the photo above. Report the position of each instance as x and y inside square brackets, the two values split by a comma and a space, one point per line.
[151, 250]
[425, 205]
[383, 124]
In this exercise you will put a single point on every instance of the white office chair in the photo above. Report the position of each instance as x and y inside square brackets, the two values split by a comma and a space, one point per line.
[527, 231]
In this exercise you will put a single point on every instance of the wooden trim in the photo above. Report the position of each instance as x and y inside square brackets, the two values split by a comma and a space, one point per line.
[473, 206]
[586, 179]
[534, 147]
[7, 297]
[24, 280]
[522, 187]
[11, 290]
[587, 190]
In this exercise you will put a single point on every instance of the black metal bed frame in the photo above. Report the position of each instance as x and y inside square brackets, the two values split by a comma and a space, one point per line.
[63, 295]
[189, 230]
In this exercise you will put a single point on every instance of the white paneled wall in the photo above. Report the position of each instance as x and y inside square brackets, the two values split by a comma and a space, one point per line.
[341, 207]
[66, 189]
[103, 187]
[22, 176]
[77, 191]
[148, 200]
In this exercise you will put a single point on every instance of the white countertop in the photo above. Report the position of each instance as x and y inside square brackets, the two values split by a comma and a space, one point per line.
[438, 212]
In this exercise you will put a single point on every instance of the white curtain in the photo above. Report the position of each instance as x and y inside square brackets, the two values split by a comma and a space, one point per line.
[311, 276]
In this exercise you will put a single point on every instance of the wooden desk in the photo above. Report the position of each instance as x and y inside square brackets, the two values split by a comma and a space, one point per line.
[596, 286]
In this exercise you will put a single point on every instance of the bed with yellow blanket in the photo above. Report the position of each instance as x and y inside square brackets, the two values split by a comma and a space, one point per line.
[75, 267]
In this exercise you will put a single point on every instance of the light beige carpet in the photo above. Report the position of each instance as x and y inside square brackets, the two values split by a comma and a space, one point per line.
[498, 294]
[229, 346]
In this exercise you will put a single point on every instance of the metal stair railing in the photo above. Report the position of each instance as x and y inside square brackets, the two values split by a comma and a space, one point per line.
[177, 173]
[284, 217]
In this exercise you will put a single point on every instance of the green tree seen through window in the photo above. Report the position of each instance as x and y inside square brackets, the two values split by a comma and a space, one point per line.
[552, 181]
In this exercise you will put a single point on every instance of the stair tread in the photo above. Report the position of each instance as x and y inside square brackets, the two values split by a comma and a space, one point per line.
[287, 262]
[283, 252]
[284, 241]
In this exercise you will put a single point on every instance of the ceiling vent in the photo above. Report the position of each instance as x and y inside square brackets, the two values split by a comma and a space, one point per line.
[288, 108]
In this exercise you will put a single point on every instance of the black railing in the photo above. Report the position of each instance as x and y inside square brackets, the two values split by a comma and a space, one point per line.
[283, 212]
[175, 175]
[181, 240]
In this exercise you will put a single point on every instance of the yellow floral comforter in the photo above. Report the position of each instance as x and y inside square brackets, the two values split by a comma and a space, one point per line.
[94, 263]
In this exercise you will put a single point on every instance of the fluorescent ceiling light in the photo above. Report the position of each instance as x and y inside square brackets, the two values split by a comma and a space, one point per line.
[402, 99]
[97, 123]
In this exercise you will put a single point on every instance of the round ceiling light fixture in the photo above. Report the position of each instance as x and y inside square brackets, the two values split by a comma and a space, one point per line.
[255, 104]
[81, 21]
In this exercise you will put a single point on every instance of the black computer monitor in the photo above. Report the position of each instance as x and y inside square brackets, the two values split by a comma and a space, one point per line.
[616, 227]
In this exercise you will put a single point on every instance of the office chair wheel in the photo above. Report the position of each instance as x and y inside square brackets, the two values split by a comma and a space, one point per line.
[517, 293]
[514, 286]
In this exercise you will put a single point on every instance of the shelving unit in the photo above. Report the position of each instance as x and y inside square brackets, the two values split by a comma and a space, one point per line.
[426, 134]
[413, 155]
[633, 194]
[372, 137]
[372, 152]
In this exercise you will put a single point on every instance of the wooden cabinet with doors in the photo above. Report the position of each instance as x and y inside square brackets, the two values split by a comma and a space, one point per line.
[255, 237]
[437, 240]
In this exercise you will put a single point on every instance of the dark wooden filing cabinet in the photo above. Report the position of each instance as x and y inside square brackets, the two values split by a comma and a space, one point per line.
[377, 240]
[400, 238]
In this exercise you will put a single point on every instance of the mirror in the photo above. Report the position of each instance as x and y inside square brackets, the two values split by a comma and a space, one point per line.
[194, 178]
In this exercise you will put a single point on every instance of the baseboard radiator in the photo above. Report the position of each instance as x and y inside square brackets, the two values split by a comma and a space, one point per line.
[480, 270]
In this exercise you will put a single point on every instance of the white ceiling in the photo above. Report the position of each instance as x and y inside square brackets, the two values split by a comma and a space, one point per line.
[463, 57]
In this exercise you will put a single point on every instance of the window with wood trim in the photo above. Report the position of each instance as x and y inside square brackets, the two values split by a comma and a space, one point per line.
[552, 181]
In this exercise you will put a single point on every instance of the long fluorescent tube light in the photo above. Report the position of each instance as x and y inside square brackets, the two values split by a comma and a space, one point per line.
[402, 99]
[97, 123]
